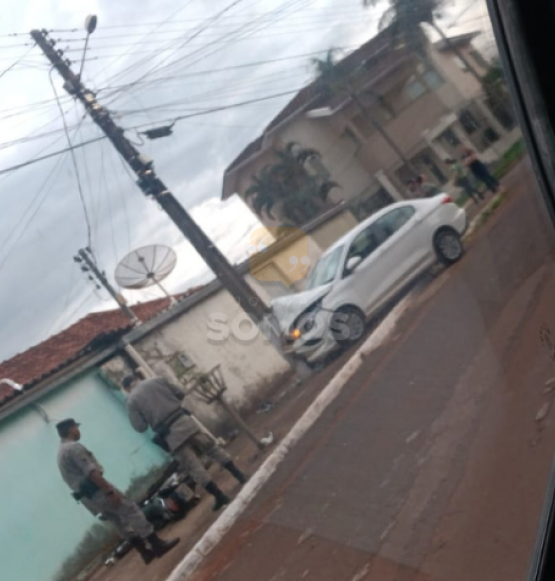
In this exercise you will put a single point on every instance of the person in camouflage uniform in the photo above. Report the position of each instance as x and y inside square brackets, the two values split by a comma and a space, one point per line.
[156, 403]
[84, 475]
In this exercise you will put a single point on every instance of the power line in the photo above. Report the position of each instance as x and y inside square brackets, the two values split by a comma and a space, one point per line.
[223, 69]
[190, 38]
[157, 26]
[16, 62]
[50, 155]
[74, 161]
[197, 113]
[39, 197]
[181, 21]
[202, 112]
[294, 27]
[239, 31]
[76, 310]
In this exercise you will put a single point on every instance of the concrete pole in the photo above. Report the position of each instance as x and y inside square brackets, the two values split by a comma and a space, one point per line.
[386, 184]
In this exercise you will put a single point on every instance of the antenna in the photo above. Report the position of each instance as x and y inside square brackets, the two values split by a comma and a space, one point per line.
[147, 266]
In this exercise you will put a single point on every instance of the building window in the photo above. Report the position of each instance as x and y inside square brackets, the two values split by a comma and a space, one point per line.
[432, 79]
[468, 121]
[451, 138]
[414, 90]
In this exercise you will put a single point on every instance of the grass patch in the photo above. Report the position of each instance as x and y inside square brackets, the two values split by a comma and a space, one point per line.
[490, 210]
[461, 200]
[515, 153]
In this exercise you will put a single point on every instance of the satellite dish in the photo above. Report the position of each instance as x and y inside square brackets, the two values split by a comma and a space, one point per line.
[147, 266]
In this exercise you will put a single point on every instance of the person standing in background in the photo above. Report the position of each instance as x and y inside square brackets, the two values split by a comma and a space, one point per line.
[156, 403]
[461, 179]
[84, 475]
[480, 170]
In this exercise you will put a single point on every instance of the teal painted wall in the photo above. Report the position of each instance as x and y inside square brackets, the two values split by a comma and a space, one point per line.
[40, 523]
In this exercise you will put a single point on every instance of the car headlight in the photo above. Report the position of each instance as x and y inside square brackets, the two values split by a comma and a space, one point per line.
[306, 321]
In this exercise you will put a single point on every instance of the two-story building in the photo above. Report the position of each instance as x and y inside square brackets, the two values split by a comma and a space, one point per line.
[407, 111]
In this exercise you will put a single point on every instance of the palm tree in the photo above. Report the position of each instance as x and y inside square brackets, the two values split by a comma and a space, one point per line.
[404, 17]
[334, 77]
[301, 194]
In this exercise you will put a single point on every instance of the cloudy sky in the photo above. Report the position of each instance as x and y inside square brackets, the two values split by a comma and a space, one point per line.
[169, 59]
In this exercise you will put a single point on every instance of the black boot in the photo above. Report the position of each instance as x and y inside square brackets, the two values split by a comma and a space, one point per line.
[159, 546]
[221, 499]
[140, 546]
[235, 472]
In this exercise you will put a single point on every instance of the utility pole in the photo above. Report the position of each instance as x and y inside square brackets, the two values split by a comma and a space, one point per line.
[85, 259]
[152, 185]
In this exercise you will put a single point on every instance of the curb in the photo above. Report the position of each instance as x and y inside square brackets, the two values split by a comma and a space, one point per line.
[229, 517]
[475, 223]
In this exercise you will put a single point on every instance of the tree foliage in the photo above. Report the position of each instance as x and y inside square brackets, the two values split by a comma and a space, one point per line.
[288, 183]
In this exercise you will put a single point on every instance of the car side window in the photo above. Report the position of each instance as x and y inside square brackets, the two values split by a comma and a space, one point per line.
[393, 221]
[363, 245]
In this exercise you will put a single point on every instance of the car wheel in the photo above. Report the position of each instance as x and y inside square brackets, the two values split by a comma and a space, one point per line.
[348, 325]
[448, 246]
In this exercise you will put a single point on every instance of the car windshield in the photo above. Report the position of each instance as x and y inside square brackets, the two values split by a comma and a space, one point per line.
[325, 269]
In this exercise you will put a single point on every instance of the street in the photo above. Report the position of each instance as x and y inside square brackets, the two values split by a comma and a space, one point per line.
[432, 463]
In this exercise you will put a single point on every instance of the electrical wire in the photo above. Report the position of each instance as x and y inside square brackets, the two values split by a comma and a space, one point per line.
[123, 199]
[39, 198]
[189, 39]
[38, 159]
[18, 61]
[156, 27]
[293, 27]
[158, 24]
[200, 112]
[74, 161]
[61, 325]
[68, 294]
[239, 31]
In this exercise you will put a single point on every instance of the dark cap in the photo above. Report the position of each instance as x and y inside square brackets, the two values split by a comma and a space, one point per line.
[64, 426]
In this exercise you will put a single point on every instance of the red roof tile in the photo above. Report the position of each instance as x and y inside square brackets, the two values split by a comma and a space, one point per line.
[89, 333]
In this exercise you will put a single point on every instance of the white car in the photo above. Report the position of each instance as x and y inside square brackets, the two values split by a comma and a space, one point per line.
[364, 270]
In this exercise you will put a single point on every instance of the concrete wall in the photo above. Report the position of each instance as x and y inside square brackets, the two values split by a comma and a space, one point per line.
[463, 80]
[41, 523]
[329, 232]
[406, 131]
[250, 365]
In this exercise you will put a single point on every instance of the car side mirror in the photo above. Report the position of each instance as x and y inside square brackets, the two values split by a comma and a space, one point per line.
[353, 263]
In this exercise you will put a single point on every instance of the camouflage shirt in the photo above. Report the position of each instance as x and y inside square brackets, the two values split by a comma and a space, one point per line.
[76, 463]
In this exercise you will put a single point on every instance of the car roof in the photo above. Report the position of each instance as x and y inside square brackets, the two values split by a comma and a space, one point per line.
[346, 238]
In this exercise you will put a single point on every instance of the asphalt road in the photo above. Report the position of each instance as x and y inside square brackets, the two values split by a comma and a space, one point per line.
[432, 463]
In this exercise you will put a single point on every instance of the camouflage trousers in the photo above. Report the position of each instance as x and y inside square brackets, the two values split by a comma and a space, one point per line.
[128, 519]
[189, 454]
